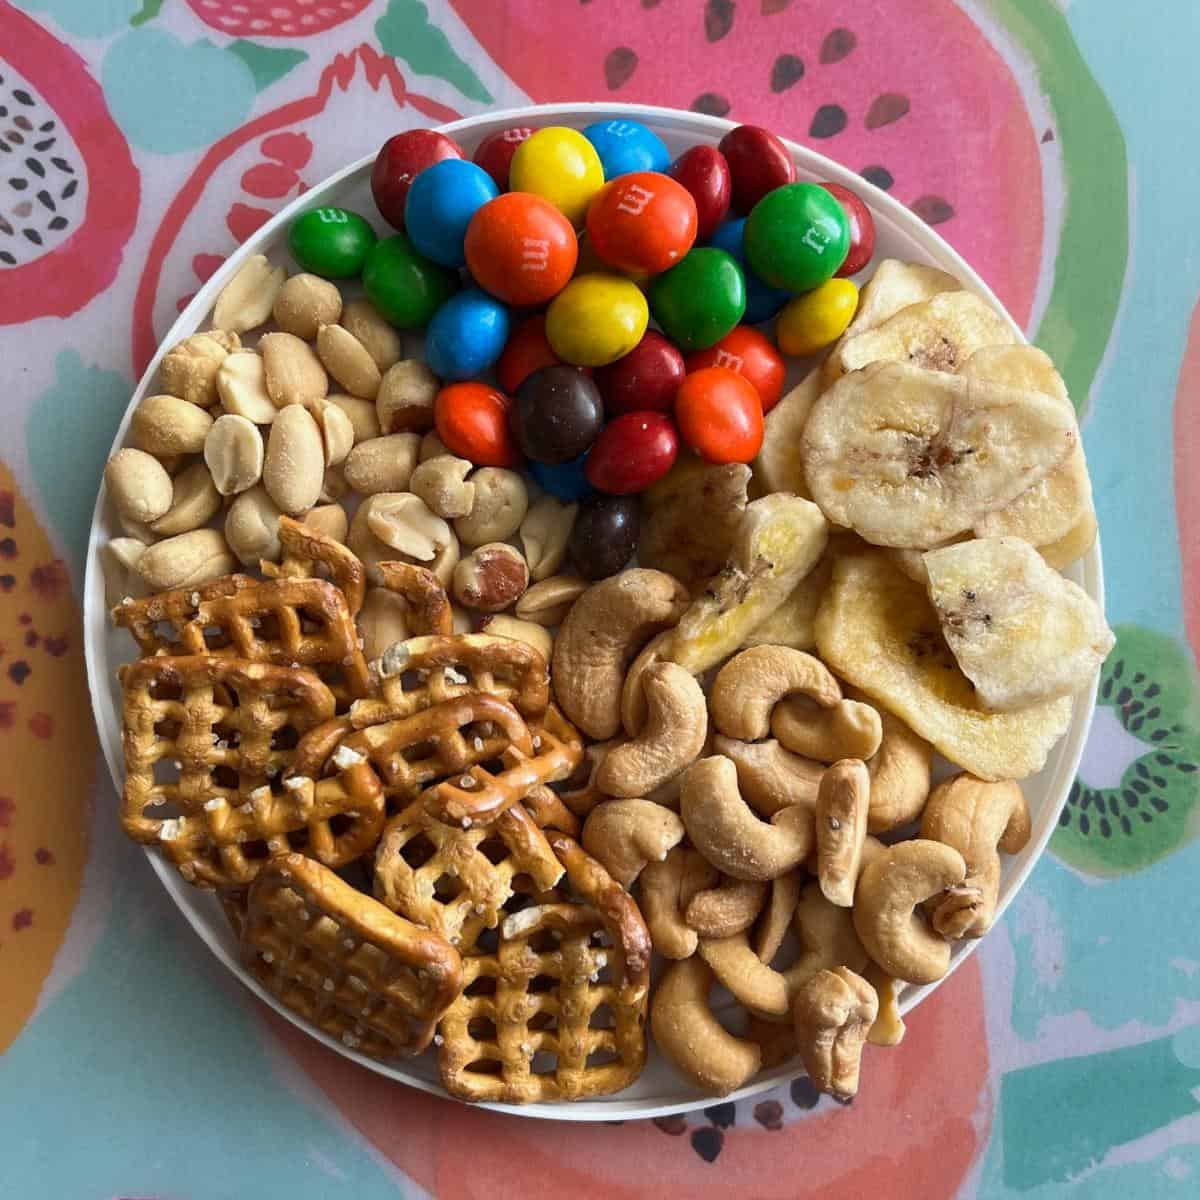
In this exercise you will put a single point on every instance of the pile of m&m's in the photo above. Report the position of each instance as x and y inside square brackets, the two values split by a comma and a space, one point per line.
[536, 270]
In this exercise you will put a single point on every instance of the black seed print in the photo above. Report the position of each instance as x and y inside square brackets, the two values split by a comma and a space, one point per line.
[804, 1095]
[21, 96]
[718, 19]
[881, 177]
[707, 1143]
[33, 236]
[619, 65]
[18, 184]
[7, 259]
[63, 165]
[712, 103]
[57, 223]
[837, 44]
[787, 70]
[886, 108]
[36, 167]
[70, 190]
[933, 210]
[722, 1115]
[828, 121]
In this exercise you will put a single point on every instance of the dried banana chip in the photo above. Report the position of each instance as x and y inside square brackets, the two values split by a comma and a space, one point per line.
[909, 457]
[896, 285]
[940, 334]
[779, 466]
[779, 541]
[877, 629]
[792, 623]
[1019, 631]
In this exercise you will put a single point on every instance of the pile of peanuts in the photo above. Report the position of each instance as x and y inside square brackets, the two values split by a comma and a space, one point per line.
[325, 420]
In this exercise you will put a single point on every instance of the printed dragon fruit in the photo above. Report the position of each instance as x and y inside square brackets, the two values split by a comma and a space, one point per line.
[275, 18]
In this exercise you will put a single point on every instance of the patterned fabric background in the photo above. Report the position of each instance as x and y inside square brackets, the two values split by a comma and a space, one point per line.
[1051, 142]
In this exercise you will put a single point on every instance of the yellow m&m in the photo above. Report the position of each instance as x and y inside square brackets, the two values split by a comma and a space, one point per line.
[596, 319]
[560, 165]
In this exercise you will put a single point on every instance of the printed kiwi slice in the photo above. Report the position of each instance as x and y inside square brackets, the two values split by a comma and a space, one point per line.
[1135, 798]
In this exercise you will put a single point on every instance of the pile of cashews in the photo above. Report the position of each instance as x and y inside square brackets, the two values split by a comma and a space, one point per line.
[764, 801]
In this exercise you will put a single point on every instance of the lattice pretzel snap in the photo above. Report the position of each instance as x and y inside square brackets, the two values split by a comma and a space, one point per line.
[456, 881]
[307, 554]
[344, 962]
[552, 1014]
[423, 671]
[285, 622]
[208, 742]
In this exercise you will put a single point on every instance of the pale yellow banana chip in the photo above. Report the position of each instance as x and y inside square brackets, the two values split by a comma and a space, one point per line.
[1018, 630]
[876, 629]
[689, 531]
[793, 622]
[1049, 511]
[779, 466]
[896, 285]
[780, 539]
[1074, 546]
[940, 333]
[909, 457]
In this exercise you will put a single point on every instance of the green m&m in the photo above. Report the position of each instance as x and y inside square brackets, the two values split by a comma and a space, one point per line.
[405, 287]
[700, 299]
[331, 242]
[797, 236]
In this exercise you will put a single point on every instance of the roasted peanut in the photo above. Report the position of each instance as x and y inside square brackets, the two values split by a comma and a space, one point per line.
[118, 561]
[545, 532]
[383, 621]
[401, 520]
[548, 602]
[405, 397]
[185, 561]
[233, 453]
[361, 413]
[246, 300]
[242, 387]
[168, 425]
[502, 625]
[431, 446]
[189, 369]
[306, 302]
[383, 464]
[252, 527]
[337, 430]
[294, 467]
[442, 483]
[294, 373]
[382, 341]
[501, 502]
[139, 485]
[491, 577]
[329, 519]
[195, 502]
[347, 360]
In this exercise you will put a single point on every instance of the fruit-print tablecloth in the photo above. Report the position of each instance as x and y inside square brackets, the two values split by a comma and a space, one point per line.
[1051, 141]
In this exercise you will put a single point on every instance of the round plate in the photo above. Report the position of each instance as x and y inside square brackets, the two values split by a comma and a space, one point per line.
[899, 234]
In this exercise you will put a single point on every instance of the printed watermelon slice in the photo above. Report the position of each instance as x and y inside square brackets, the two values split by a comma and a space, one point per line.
[68, 187]
[245, 178]
[275, 18]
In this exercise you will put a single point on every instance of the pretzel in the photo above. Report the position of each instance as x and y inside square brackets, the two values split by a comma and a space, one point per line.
[429, 609]
[424, 671]
[410, 753]
[456, 881]
[343, 962]
[306, 553]
[229, 728]
[285, 622]
[548, 811]
[534, 1014]
[480, 795]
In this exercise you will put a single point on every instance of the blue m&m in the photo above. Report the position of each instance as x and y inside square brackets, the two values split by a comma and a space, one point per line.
[466, 335]
[441, 202]
[625, 146]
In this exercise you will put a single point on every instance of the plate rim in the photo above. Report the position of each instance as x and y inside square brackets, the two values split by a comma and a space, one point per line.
[97, 667]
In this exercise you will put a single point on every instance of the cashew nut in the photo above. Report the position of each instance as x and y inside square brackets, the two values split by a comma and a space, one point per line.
[899, 776]
[770, 777]
[848, 729]
[827, 935]
[777, 917]
[690, 1037]
[548, 602]
[625, 835]
[729, 907]
[726, 831]
[665, 890]
[832, 1013]
[671, 739]
[979, 820]
[633, 698]
[842, 801]
[545, 532]
[602, 633]
[579, 791]
[442, 483]
[501, 501]
[753, 982]
[750, 684]
[887, 915]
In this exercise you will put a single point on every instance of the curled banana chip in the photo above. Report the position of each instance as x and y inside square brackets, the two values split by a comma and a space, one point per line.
[877, 629]
[908, 457]
[896, 285]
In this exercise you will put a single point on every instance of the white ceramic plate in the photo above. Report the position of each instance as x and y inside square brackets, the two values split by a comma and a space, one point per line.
[900, 234]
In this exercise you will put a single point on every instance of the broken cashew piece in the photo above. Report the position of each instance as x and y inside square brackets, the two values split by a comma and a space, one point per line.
[777, 916]
[979, 820]
[900, 776]
[887, 908]
[842, 801]
[624, 835]
[771, 777]
[633, 698]
[848, 729]
[726, 831]
[750, 684]
[690, 1037]
[889, 1028]
[832, 1013]
[664, 891]
[671, 738]
[601, 635]
[730, 907]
